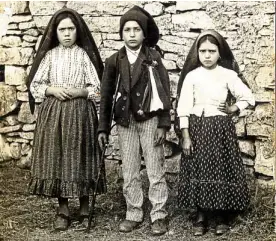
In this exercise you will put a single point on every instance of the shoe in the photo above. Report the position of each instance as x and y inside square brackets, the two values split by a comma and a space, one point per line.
[127, 226]
[83, 222]
[159, 227]
[62, 222]
[221, 229]
[199, 229]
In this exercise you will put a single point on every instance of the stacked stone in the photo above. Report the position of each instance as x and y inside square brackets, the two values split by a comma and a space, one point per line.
[247, 26]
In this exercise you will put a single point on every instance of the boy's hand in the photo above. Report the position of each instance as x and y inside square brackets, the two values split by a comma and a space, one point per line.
[102, 139]
[58, 92]
[160, 136]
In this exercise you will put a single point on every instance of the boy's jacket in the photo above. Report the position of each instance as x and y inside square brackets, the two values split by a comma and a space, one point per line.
[131, 97]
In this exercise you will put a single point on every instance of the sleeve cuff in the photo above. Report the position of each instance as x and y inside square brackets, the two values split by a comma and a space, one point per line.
[242, 105]
[184, 122]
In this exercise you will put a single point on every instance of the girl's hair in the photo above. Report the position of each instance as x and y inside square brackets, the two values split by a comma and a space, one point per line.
[209, 38]
[59, 18]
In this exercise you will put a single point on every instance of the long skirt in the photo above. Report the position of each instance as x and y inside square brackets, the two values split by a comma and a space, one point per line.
[66, 155]
[213, 177]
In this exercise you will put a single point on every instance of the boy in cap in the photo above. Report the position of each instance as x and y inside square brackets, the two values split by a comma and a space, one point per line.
[141, 113]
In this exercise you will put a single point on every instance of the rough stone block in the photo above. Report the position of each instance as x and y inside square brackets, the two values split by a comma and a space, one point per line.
[240, 127]
[103, 24]
[41, 22]
[25, 161]
[154, 8]
[21, 18]
[113, 44]
[265, 77]
[8, 101]
[8, 129]
[187, 6]
[15, 75]
[192, 20]
[45, 7]
[10, 41]
[30, 38]
[25, 115]
[15, 149]
[172, 165]
[22, 96]
[15, 56]
[27, 135]
[247, 161]
[247, 147]
[259, 129]
[97, 8]
[11, 120]
[265, 158]
[27, 25]
[169, 64]
[265, 96]
[28, 127]
[17, 7]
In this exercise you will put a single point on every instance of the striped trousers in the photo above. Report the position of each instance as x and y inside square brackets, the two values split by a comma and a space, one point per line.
[130, 139]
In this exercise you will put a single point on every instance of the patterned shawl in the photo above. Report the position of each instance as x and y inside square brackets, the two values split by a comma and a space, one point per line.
[85, 41]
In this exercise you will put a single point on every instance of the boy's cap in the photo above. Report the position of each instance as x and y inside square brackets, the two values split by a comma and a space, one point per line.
[146, 22]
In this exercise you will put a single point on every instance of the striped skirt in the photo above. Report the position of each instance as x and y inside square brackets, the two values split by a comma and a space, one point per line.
[66, 155]
[213, 177]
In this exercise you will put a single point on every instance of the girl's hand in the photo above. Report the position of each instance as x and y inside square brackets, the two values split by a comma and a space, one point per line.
[58, 92]
[224, 107]
[187, 146]
[160, 136]
[77, 92]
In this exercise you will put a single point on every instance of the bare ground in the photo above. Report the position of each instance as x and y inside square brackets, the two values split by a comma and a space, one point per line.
[24, 217]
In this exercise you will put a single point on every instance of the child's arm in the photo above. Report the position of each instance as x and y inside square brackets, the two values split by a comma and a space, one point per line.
[186, 102]
[91, 79]
[108, 86]
[164, 116]
[241, 92]
[41, 82]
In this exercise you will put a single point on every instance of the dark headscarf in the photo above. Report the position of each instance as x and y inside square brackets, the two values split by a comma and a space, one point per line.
[49, 41]
[146, 22]
[227, 60]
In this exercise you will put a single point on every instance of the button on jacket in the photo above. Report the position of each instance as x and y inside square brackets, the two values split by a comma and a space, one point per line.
[131, 90]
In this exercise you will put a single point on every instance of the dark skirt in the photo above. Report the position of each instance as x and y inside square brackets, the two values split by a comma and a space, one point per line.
[213, 177]
[66, 155]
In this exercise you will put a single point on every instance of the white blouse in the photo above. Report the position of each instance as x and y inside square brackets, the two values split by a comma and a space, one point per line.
[65, 67]
[204, 90]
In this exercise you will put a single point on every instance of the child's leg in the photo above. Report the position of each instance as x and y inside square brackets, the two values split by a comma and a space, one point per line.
[62, 219]
[154, 159]
[84, 206]
[131, 163]
[222, 222]
[201, 222]
[63, 206]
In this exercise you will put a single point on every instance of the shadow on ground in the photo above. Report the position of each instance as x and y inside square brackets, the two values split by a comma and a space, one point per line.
[24, 217]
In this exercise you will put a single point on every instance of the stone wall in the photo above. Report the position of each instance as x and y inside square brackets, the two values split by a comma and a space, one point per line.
[247, 26]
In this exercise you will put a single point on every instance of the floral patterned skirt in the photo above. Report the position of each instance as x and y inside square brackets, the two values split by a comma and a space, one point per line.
[213, 177]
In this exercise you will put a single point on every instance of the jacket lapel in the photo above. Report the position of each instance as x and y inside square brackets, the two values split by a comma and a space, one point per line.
[137, 68]
[124, 68]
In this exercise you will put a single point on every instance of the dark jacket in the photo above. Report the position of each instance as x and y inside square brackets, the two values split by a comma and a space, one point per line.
[132, 89]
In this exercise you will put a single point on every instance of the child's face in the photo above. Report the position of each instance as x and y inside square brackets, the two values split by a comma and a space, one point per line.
[133, 35]
[208, 54]
[66, 32]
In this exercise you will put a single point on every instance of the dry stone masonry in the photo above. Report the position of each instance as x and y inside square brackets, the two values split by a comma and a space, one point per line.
[247, 26]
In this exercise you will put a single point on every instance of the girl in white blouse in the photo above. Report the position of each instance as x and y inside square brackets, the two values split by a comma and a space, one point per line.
[65, 77]
[212, 177]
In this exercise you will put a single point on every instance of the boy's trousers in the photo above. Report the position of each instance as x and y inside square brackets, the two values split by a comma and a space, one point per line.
[130, 139]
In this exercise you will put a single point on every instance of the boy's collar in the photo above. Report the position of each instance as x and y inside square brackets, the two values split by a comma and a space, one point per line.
[134, 51]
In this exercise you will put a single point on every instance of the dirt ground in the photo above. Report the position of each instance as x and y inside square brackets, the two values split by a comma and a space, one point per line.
[24, 217]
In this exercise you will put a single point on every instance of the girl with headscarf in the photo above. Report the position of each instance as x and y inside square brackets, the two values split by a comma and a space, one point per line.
[212, 177]
[65, 76]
